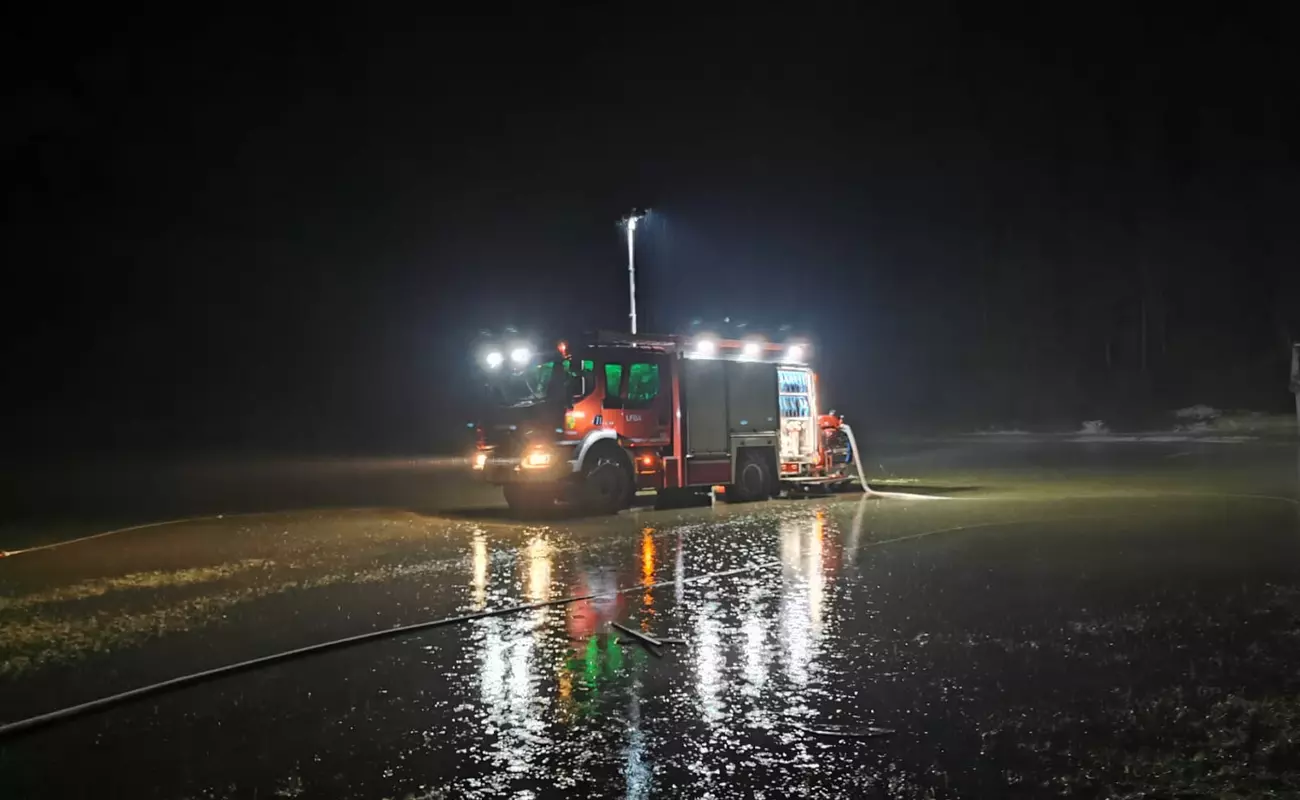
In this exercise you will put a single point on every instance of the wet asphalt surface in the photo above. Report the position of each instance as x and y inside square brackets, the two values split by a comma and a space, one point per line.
[1070, 619]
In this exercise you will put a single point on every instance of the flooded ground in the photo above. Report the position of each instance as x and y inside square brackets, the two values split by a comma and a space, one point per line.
[1074, 620]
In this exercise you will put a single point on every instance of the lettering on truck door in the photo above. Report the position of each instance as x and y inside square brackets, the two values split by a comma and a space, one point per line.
[634, 393]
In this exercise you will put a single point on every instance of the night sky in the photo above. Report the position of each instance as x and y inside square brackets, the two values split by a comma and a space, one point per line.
[277, 233]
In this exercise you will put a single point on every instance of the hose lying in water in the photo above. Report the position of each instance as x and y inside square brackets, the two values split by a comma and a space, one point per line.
[141, 527]
[103, 703]
[862, 475]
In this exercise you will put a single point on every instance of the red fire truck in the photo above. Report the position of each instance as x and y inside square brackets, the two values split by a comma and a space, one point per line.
[601, 421]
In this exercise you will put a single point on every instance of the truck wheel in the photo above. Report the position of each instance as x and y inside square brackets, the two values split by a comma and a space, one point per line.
[753, 481]
[606, 482]
[529, 500]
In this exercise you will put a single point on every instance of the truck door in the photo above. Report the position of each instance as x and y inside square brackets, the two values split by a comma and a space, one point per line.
[636, 399]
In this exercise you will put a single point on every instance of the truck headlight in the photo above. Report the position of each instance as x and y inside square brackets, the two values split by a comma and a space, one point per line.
[536, 459]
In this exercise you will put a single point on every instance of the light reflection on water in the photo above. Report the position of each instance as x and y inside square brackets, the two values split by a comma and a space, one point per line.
[679, 571]
[561, 696]
[539, 570]
[710, 661]
[479, 576]
[637, 771]
[548, 703]
[513, 709]
[802, 596]
[851, 545]
[647, 576]
[814, 575]
[754, 613]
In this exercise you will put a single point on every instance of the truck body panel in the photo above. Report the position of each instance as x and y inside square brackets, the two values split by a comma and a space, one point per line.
[704, 402]
[752, 398]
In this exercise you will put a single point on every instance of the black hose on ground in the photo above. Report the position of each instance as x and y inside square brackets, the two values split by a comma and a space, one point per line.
[99, 704]
[71, 712]
[31, 723]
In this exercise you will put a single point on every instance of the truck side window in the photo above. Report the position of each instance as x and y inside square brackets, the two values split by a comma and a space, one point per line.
[613, 385]
[587, 370]
[642, 384]
[613, 379]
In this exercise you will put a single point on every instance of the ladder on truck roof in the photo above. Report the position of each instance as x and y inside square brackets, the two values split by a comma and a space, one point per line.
[619, 339]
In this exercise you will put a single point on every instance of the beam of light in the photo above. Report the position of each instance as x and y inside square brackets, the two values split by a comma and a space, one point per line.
[494, 359]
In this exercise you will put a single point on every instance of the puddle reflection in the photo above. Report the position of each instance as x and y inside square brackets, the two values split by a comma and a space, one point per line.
[751, 658]
[855, 530]
[803, 595]
[479, 576]
[710, 661]
[647, 577]
[514, 710]
[593, 657]
[539, 570]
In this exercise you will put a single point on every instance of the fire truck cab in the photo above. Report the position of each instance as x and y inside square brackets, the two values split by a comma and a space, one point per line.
[615, 416]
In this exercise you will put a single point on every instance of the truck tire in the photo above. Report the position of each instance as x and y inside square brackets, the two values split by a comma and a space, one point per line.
[529, 500]
[753, 478]
[607, 486]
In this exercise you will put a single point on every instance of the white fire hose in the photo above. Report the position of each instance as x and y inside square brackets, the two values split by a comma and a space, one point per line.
[857, 456]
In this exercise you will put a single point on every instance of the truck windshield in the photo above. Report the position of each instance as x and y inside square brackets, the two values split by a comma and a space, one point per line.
[541, 382]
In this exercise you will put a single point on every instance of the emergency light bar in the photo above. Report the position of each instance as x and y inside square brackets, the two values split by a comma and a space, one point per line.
[707, 345]
[747, 350]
